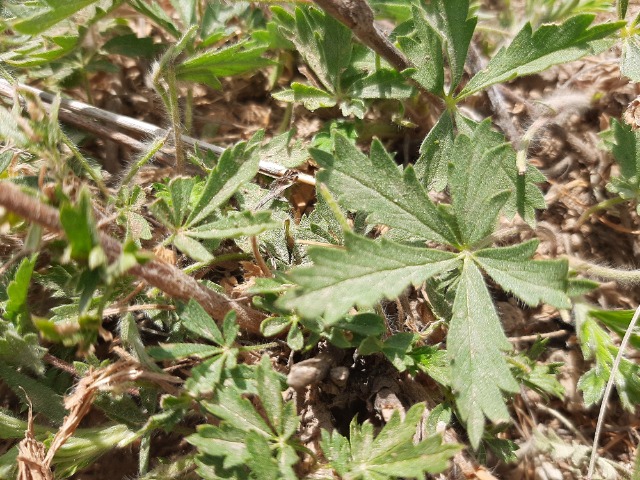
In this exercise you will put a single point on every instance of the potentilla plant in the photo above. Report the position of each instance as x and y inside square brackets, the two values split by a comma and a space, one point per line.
[313, 279]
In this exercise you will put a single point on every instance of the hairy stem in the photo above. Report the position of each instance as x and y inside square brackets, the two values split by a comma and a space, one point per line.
[85, 164]
[625, 277]
[133, 169]
[176, 123]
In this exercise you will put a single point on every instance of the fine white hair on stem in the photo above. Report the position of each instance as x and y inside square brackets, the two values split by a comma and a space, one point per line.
[607, 392]
[622, 276]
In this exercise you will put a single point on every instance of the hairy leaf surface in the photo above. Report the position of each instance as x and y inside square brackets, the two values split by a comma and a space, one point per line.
[235, 167]
[375, 185]
[390, 454]
[525, 196]
[364, 273]
[533, 281]
[435, 153]
[531, 52]
[479, 372]
[449, 18]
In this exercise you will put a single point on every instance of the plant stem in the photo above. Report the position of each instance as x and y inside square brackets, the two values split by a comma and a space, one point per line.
[610, 202]
[85, 164]
[174, 112]
[188, 111]
[358, 16]
[134, 168]
[137, 126]
[625, 277]
[607, 392]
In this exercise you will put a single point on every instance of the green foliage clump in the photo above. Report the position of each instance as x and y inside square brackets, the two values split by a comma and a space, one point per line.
[374, 232]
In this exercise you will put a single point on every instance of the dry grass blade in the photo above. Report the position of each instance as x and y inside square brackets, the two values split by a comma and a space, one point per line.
[32, 464]
[112, 377]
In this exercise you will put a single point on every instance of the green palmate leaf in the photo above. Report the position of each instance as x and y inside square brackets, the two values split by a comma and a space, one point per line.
[376, 186]
[625, 146]
[449, 19]
[236, 167]
[237, 224]
[205, 67]
[223, 441]
[192, 248]
[425, 51]
[596, 343]
[539, 377]
[30, 390]
[269, 391]
[20, 350]
[525, 197]
[259, 459]
[396, 348]
[476, 195]
[533, 281]
[618, 321]
[531, 52]
[324, 43]
[626, 149]
[79, 226]
[375, 270]
[17, 291]
[383, 83]
[435, 152]
[630, 59]
[238, 412]
[244, 432]
[281, 150]
[133, 46]
[154, 11]
[320, 225]
[479, 372]
[434, 362]
[197, 320]
[131, 338]
[180, 194]
[44, 18]
[311, 97]
[176, 351]
[391, 454]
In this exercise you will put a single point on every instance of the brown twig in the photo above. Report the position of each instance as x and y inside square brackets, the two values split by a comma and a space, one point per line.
[157, 273]
[533, 338]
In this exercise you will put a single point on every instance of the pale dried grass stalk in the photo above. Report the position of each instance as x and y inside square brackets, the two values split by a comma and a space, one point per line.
[33, 462]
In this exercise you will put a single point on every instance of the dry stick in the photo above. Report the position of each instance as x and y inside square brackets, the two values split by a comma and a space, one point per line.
[132, 125]
[162, 275]
[607, 392]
